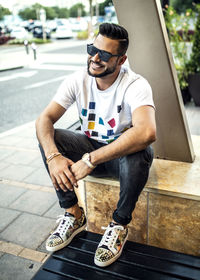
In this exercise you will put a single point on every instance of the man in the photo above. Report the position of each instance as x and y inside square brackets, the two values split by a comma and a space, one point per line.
[117, 126]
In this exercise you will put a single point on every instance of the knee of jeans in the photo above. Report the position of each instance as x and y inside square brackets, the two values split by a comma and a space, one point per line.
[145, 156]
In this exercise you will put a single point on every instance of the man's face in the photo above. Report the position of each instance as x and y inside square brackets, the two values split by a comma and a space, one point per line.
[99, 68]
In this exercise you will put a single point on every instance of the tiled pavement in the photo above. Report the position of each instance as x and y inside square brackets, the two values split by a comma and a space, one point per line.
[28, 204]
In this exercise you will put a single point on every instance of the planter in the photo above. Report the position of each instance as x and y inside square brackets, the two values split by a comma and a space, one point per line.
[185, 95]
[194, 88]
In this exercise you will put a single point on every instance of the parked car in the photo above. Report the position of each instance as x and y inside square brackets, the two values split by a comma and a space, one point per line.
[38, 32]
[63, 31]
[20, 33]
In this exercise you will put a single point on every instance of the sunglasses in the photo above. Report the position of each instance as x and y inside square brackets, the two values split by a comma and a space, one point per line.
[103, 55]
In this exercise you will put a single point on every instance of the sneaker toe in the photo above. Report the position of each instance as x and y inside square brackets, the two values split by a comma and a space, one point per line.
[103, 255]
[54, 241]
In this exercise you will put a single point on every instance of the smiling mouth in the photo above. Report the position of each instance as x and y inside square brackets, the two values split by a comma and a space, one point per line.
[96, 66]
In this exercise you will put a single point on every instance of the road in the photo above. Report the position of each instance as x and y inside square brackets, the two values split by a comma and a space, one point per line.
[25, 92]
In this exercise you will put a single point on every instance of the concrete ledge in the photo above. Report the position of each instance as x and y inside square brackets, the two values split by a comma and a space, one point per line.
[167, 212]
[167, 177]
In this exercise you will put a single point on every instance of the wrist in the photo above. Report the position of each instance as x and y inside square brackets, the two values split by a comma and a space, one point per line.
[87, 160]
[52, 156]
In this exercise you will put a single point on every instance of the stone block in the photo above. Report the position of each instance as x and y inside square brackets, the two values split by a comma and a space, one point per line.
[9, 194]
[22, 157]
[16, 172]
[9, 140]
[54, 211]
[33, 255]
[7, 216]
[28, 230]
[10, 248]
[3, 165]
[16, 268]
[174, 223]
[4, 153]
[101, 201]
[28, 143]
[38, 162]
[35, 202]
[39, 177]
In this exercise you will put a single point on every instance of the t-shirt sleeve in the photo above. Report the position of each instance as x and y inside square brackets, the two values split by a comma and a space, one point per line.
[139, 93]
[67, 91]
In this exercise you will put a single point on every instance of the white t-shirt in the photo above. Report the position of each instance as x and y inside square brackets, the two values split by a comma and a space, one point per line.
[105, 114]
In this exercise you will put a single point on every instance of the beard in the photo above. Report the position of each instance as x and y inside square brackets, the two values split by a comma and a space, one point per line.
[108, 71]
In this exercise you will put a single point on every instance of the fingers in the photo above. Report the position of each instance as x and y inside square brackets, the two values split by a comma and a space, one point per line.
[55, 184]
[61, 175]
[71, 177]
[64, 181]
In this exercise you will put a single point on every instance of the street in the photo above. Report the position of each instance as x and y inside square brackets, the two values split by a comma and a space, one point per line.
[25, 92]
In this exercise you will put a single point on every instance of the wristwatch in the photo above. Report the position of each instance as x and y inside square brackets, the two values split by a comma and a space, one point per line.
[86, 159]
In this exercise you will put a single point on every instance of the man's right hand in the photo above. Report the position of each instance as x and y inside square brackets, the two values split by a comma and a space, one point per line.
[61, 176]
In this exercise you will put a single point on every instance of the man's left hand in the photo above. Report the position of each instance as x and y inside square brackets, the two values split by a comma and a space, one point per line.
[80, 170]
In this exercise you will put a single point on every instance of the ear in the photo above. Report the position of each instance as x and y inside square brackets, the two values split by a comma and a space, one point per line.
[122, 59]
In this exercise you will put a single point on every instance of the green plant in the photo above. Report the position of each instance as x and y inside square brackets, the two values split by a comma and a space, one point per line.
[180, 37]
[82, 35]
[194, 63]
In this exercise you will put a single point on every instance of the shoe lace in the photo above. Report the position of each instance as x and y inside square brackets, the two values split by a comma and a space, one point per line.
[110, 236]
[64, 224]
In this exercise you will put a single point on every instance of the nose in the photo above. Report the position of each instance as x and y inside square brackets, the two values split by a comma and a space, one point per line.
[96, 58]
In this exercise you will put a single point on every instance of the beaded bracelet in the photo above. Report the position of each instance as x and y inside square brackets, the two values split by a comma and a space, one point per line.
[51, 156]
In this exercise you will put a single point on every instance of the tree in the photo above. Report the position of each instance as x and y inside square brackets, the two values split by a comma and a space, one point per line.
[194, 63]
[77, 10]
[50, 13]
[28, 13]
[181, 6]
[63, 13]
[3, 12]
[103, 5]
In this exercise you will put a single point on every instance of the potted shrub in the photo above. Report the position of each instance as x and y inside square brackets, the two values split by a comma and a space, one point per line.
[194, 63]
[180, 36]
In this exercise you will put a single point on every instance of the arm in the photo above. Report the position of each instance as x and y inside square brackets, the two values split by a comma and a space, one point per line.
[59, 166]
[135, 139]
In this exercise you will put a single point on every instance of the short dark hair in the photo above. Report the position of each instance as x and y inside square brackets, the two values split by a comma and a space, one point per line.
[115, 32]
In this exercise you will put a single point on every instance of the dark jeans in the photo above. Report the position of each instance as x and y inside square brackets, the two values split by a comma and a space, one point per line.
[131, 170]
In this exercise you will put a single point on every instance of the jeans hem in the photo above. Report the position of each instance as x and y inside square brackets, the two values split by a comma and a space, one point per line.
[120, 220]
[68, 204]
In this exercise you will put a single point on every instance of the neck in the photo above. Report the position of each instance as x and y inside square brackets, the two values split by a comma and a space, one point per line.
[105, 82]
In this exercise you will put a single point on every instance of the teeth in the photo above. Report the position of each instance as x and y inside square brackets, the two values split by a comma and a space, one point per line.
[94, 65]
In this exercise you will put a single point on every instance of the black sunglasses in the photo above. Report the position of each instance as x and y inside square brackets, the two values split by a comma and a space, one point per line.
[103, 55]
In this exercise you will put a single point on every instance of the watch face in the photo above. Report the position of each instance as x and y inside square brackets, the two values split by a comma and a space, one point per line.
[86, 156]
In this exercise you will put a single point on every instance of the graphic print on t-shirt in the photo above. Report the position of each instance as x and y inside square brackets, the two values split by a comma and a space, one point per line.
[92, 121]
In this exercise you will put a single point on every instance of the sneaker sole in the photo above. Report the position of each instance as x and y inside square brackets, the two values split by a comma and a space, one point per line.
[64, 244]
[104, 264]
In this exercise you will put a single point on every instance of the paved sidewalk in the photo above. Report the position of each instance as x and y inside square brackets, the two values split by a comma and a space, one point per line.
[28, 203]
